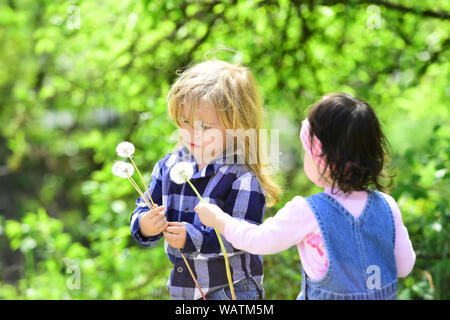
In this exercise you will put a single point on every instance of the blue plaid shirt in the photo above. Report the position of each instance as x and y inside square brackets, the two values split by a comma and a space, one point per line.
[224, 182]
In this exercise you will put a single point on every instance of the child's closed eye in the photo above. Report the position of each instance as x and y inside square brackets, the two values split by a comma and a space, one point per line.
[204, 126]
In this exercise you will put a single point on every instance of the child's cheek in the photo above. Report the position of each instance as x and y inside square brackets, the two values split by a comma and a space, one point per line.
[213, 141]
[207, 140]
[185, 135]
[311, 170]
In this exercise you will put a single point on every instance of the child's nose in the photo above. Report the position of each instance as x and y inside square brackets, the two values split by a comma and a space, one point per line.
[197, 134]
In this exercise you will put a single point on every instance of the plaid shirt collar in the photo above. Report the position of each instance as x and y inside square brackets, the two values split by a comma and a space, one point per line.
[225, 158]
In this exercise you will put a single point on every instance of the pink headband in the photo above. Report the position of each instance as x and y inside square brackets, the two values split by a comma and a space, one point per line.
[316, 149]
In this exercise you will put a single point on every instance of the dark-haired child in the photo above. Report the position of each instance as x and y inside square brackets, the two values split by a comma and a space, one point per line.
[350, 237]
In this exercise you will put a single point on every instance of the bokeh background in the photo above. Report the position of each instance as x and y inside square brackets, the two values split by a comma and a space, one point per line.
[77, 77]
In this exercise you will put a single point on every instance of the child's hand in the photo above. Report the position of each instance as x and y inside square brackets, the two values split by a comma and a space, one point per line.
[175, 234]
[153, 222]
[208, 213]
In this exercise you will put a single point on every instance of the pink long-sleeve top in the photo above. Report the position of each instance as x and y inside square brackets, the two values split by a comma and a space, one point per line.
[295, 224]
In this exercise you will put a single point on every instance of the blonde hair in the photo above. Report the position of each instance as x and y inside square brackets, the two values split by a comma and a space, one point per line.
[231, 89]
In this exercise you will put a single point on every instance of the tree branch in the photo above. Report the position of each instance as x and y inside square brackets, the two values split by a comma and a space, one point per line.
[443, 15]
[428, 13]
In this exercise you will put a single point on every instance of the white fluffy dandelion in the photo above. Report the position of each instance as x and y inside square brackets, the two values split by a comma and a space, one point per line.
[122, 169]
[117, 168]
[125, 149]
[181, 172]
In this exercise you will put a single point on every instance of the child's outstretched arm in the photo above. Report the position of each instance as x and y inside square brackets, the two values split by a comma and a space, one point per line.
[245, 200]
[212, 216]
[288, 227]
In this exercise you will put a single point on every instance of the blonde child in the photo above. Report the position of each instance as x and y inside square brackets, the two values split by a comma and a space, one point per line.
[208, 101]
[351, 239]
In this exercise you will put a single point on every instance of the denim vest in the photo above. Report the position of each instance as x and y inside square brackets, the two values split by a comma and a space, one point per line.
[361, 262]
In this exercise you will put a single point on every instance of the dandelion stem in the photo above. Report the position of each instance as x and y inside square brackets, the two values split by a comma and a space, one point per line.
[140, 192]
[150, 206]
[227, 264]
[192, 274]
[142, 179]
[195, 190]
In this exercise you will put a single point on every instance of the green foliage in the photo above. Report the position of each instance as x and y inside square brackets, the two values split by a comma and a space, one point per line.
[79, 77]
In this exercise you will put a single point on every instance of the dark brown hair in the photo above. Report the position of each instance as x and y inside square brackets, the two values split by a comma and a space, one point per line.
[355, 148]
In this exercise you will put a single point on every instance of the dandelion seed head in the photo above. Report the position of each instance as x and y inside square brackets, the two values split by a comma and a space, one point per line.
[116, 168]
[181, 172]
[122, 169]
[125, 149]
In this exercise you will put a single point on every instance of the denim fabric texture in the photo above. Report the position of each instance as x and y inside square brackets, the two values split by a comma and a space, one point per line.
[245, 289]
[361, 261]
